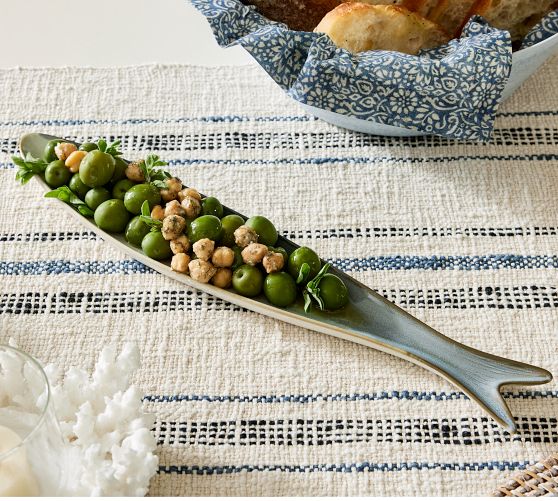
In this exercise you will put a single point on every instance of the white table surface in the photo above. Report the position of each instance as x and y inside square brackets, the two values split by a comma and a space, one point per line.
[107, 33]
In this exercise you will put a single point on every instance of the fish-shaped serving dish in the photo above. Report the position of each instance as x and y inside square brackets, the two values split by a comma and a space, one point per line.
[368, 319]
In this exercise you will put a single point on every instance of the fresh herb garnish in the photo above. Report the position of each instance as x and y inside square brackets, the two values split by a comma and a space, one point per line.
[111, 149]
[153, 175]
[303, 273]
[146, 218]
[28, 167]
[66, 195]
[312, 290]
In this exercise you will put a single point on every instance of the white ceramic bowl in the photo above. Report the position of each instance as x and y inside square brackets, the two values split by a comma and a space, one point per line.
[525, 63]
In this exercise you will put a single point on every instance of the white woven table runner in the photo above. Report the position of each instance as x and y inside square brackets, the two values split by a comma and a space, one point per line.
[464, 236]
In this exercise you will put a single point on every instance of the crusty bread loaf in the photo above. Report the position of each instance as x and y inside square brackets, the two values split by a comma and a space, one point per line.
[516, 16]
[359, 27]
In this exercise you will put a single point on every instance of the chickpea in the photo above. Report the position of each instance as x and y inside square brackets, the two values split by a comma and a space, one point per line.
[173, 208]
[244, 236]
[64, 150]
[222, 278]
[74, 160]
[189, 192]
[254, 253]
[201, 271]
[191, 206]
[180, 262]
[180, 245]
[158, 213]
[203, 249]
[273, 261]
[173, 226]
[134, 173]
[223, 257]
[174, 185]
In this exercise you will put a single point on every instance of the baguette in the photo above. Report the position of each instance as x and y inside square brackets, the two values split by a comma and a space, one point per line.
[360, 27]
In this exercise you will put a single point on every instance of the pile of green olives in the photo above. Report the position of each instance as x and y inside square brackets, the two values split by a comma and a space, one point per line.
[158, 214]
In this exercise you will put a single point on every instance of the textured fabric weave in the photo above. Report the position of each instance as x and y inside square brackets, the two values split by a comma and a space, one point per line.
[464, 236]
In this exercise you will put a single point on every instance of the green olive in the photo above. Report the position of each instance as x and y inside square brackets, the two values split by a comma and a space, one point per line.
[155, 246]
[267, 234]
[204, 227]
[48, 153]
[119, 169]
[247, 280]
[78, 186]
[280, 289]
[57, 174]
[112, 216]
[333, 292]
[121, 187]
[135, 231]
[96, 168]
[96, 196]
[212, 207]
[136, 195]
[88, 146]
[230, 223]
[299, 257]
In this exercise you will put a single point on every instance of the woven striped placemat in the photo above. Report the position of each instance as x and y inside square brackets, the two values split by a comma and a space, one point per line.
[464, 236]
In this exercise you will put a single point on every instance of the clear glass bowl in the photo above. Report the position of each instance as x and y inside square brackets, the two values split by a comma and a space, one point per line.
[31, 444]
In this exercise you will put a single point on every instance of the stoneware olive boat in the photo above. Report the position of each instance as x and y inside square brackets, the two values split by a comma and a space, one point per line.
[368, 319]
[525, 63]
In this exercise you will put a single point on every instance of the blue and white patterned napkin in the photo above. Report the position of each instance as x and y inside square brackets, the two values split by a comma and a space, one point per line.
[452, 91]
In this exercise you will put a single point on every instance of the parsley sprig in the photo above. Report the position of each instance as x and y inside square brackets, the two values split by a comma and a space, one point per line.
[66, 195]
[146, 218]
[152, 174]
[312, 290]
[28, 167]
[111, 149]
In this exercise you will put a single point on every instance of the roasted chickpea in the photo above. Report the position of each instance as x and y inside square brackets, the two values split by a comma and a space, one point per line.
[222, 278]
[203, 249]
[273, 261]
[174, 185]
[189, 192]
[173, 208]
[134, 173]
[201, 270]
[173, 226]
[191, 206]
[158, 213]
[180, 245]
[64, 150]
[180, 262]
[223, 257]
[254, 253]
[244, 236]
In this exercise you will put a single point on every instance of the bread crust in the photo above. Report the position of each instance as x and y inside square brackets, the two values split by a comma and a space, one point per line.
[360, 27]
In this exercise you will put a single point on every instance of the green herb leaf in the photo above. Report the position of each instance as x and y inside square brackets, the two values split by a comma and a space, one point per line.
[28, 167]
[303, 273]
[145, 208]
[150, 171]
[161, 185]
[146, 218]
[312, 289]
[68, 196]
[111, 149]
[307, 300]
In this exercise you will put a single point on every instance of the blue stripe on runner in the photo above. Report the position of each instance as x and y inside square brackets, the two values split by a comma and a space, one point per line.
[380, 263]
[339, 397]
[364, 467]
[351, 160]
[214, 119]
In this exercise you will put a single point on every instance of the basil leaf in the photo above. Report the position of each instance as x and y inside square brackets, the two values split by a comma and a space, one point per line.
[303, 273]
